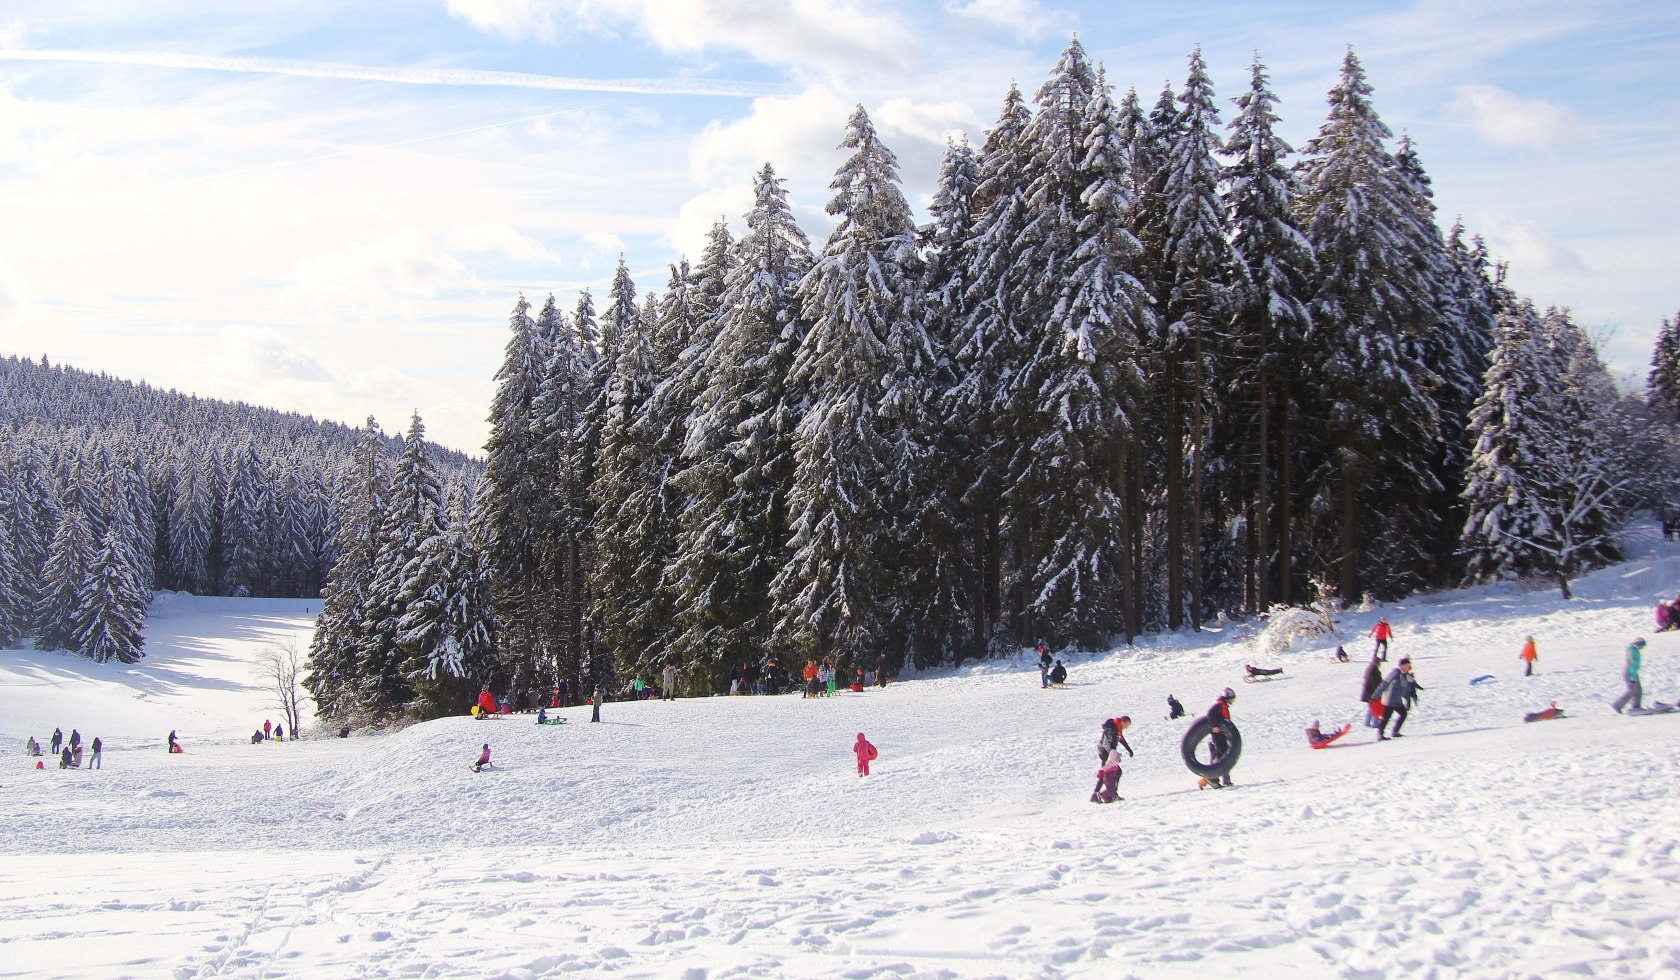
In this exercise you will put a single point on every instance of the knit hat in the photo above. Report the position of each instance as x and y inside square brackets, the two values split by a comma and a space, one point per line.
[1639, 641]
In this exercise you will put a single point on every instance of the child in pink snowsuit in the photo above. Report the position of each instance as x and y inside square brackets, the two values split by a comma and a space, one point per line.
[864, 752]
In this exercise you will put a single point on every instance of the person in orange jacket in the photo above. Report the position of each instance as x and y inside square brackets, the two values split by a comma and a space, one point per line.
[1529, 655]
[865, 753]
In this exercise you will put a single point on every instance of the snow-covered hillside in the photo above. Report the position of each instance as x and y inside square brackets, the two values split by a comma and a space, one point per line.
[729, 836]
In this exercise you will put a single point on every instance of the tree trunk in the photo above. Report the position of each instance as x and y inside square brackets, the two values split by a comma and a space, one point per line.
[1173, 434]
[1196, 421]
[1348, 573]
[1263, 497]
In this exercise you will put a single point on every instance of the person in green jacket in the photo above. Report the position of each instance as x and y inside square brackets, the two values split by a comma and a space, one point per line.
[1631, 674]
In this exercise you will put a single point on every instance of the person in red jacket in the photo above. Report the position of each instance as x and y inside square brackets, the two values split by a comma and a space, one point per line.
[1383, 632]
[865, 753]
[483, 759]
[486, 703]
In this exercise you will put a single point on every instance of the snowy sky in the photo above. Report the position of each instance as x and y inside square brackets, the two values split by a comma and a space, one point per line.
[329, 206]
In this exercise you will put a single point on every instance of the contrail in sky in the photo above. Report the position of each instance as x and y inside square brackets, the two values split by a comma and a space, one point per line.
[405, 76]
[351, 151]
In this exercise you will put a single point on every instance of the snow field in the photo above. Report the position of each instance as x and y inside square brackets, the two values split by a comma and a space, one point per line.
[724, 837]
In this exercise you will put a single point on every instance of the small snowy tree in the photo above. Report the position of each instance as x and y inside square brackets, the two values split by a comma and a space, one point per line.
[111, 612]
[62, 578]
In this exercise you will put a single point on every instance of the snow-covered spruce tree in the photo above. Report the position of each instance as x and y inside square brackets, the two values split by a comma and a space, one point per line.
[1084, 382]
[68, 562]
[1257, 407]
[739, 448]
[623, 583]
[1365, 390]
[111, 613]
[1597, 472]
[1197, 304]
[33, 517]
[986, 349]
[953, 590]
[334, 660]
[681, 326]
[1556, 458]
[559, 462]
[1452, 337]
[711, 278]
[13, 611]
[447, 629]
[1055, 186]
[412, 516]
[242, 526]
[1507, 515]
[514, 502]
[189, 529]
[1662, 385]
[857, 297]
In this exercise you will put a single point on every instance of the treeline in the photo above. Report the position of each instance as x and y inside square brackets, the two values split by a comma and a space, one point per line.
[110, 490]
[1141, 370]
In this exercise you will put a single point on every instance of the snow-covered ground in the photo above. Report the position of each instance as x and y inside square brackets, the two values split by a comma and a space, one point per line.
[729, 836]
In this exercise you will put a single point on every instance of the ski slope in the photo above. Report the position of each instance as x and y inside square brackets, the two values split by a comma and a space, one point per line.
[720, 837]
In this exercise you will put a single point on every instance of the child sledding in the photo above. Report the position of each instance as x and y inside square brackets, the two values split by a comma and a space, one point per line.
[1252, 673]
[1545, 714]
[1318, 738]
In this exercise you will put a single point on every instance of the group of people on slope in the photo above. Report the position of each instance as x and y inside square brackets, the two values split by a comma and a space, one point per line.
[69, 752]
[1050, 670]
[1391, 698]
[1668, 615]
[270, 731]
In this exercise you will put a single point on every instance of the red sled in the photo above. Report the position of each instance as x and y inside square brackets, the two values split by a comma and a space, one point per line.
[1328, 739]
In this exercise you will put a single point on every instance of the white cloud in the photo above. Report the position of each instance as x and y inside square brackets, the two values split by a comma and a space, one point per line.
[1532, 253]
[372, 277]
[690, 231]
[14, 302]
[11, 32]
[1026, 19]
[831, 35]
[405, 76]
[1504, 119]
[254, 356]
[796, 135]
[928, 122]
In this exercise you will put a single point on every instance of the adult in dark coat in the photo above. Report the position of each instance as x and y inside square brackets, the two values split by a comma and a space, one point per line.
[1373, 680]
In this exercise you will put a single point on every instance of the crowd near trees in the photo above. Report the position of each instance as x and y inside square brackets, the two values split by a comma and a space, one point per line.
[1141, 369]
[111, 490]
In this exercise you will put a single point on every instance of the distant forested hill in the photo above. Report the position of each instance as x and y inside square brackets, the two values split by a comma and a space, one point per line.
[111, 488]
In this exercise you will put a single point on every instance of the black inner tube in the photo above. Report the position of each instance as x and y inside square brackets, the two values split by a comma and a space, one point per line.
[1200, 731]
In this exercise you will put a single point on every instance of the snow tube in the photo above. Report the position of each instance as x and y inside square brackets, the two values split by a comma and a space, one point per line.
[1200, 731]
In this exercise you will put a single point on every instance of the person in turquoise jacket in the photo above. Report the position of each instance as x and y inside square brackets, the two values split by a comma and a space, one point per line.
[1631, 674]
